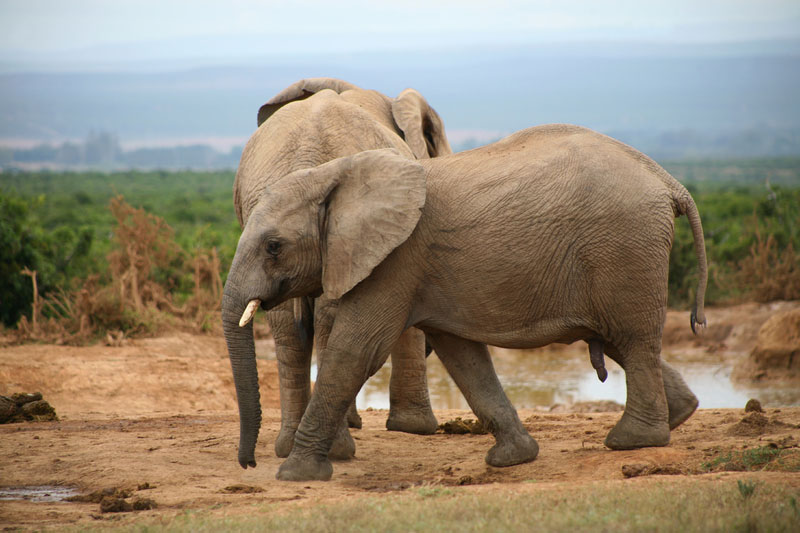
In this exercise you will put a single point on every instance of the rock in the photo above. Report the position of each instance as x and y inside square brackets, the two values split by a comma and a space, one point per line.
[753, 405]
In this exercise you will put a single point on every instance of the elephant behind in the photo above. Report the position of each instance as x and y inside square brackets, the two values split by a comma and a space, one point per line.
[307, 124]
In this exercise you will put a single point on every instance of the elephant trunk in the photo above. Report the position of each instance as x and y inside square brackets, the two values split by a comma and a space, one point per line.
[242, 352]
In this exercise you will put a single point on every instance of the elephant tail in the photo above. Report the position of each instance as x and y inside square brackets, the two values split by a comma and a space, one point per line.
[685, 206]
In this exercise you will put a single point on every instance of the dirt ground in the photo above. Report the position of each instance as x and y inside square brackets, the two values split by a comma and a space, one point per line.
[158, 417]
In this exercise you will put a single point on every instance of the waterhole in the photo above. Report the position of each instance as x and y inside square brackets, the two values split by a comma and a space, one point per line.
[543, 378]
[39, 493]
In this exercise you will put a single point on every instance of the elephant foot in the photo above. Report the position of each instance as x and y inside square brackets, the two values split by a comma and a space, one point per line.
[353, 418]
[630, 434]
[418, 422]
[513, 451]
[305, 468]
[680, 409]
[285, 442]
[343, 447]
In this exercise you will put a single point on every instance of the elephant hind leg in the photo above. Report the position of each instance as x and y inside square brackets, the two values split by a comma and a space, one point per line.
[470, 366]
[409, 404]
[645, 420]
[681, 402]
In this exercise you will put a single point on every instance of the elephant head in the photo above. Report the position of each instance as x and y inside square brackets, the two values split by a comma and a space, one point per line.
[421, 127]
[318, 229]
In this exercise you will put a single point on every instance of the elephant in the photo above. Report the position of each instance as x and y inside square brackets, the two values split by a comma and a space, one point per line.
[553, 234]
[309, 123]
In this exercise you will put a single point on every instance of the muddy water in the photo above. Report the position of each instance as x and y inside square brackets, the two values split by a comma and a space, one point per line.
[545, 377]
[542, 378]
[42, 493]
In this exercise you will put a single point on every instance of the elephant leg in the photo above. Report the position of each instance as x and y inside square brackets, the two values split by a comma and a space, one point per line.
[324, 313]
[343, 447]
[344, 371]
[353, 418]
[470, 366]
[681, 402]
[294, 374]
[409, 404]
[645, 420]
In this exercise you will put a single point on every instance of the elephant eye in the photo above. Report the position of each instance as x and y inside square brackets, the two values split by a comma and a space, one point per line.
[273, 248]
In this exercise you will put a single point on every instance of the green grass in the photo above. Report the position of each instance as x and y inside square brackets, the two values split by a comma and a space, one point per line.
[761, 458]
[696, 505]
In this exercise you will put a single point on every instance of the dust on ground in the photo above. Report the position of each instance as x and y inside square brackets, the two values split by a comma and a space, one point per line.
[155, 421]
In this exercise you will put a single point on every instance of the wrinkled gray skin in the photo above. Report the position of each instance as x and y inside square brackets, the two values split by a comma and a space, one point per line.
[309, 123]
[554, 234]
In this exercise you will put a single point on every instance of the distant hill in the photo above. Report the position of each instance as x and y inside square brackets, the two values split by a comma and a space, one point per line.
[682, 102]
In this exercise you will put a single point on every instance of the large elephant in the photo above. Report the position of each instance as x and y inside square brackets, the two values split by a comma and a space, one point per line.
[309, 123]
[554, 234]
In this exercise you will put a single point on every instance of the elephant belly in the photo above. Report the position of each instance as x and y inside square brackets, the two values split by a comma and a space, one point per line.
[524, 336]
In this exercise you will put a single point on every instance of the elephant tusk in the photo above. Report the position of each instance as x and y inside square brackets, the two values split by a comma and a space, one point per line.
[249, 311]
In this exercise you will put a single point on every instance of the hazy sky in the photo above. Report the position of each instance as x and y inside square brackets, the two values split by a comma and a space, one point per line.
[53, 26]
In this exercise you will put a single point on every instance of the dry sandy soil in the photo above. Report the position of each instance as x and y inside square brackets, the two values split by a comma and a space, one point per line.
[160, 413]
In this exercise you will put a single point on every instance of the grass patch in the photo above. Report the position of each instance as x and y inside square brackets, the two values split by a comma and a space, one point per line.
[762, 458]
[705, 505]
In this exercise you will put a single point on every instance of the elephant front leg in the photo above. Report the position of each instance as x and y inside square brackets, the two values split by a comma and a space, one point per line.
[409, 404]
[343, 447]
[294, 374]
[645, 421]
[470, 366]
[339, 379]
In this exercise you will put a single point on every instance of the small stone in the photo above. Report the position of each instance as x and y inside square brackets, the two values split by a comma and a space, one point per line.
[753, 405]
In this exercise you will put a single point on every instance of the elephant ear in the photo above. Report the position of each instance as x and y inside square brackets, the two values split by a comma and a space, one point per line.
[300, 91]
[371, 211]
[421, 125]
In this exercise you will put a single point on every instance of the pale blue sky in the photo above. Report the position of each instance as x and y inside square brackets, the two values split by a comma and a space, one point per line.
[55, 26]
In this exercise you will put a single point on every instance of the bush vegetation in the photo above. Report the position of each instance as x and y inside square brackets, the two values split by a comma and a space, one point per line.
[104, 264]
